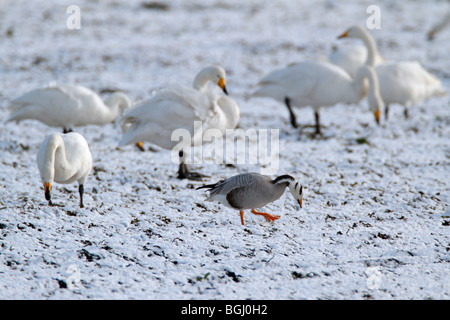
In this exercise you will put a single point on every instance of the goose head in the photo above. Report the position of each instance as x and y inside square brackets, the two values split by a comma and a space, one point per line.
[215, 74]
[297, 192]
[295, 187]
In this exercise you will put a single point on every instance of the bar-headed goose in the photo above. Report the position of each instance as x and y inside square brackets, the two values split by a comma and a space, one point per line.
[252, 191]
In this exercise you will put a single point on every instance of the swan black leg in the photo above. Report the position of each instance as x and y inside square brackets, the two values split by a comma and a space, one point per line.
[287, 101]
[406, 113]
[67, 130]
[316, 115]
[386, 111]
[81, 191]
[48, 196]
[184, 173]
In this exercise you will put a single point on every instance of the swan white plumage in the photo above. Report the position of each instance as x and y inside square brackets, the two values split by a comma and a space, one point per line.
[319, 84]
[67, 106]
[351, 57]
[64, 158]
[178, 107]
[406, 83]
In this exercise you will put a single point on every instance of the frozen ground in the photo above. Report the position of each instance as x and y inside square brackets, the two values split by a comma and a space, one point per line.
[372, 226]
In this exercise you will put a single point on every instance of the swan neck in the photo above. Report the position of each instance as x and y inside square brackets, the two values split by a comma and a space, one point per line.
[230, 110]
[373, 96]
[359, 84]
[55, 152]
[200, 81]
[115, 103]
[113, 108]
[371, 48]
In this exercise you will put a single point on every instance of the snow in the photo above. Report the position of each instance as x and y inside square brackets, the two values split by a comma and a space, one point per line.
[374, 224]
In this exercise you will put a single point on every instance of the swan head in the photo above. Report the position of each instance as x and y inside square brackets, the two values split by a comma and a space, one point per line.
[376, 103]
[45, 161]
[374, 99]
[118, 99]
[353, 32]
[47, 189]
[295, 187]
[215, 74]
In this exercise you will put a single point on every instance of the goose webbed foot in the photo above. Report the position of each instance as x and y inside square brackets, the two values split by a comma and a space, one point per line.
[269, 217]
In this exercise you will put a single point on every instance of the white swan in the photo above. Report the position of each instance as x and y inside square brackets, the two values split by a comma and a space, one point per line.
[351, 57]
[406, 83]
[155, 120]
[67, 106]
[319, 84]
[64, 158]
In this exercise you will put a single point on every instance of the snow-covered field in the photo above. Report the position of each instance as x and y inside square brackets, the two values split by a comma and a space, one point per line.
[375, 218]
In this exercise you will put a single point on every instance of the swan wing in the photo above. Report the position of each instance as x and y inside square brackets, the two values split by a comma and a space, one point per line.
[407, 83]
[58, 106]
[156, 119]
[78, 156]
[307, 84]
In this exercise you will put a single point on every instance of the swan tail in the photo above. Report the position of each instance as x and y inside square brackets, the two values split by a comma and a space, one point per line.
[19, 114]
[127, 139]
[129, 135]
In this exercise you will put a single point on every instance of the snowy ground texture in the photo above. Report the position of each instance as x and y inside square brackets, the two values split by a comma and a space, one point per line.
[374, 220]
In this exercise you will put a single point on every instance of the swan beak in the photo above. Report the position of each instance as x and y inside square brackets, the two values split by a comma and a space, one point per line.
[222, 85]
[47, 188]
[140, 145]
[377, 116]
[344, 35]
[300, 202]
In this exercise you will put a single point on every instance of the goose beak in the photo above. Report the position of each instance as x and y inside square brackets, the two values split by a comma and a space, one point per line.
[47, 189]
[377, 116]
[222, 85]
[300, 202]
[344, 35]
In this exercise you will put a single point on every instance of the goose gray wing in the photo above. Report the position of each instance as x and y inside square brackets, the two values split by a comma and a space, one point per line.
[240, 180]
[245, 197]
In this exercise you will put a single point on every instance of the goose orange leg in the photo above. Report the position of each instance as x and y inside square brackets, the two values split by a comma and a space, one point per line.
[269, 217]
[242, 217]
